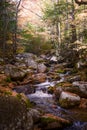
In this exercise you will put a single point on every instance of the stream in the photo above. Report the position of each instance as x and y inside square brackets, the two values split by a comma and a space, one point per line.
[46, 102]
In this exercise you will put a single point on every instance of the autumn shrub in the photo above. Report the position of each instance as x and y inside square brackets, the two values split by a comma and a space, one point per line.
[38, 45]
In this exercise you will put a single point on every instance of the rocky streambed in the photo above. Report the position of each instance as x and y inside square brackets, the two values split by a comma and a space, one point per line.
[57, 91]
[46, 102]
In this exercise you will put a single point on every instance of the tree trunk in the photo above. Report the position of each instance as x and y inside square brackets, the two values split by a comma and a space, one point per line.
[58, 33]
[4, 29]
[73, 27]
[15, 29]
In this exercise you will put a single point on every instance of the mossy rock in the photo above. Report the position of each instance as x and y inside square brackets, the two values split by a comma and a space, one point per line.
[68, 100]
[13, 110]
[14, 73]
[49, 121]
[65, 103]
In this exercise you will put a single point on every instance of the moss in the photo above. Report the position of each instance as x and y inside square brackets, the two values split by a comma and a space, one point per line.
[61, 71]
[65, 103]
[60, 84]
[47, 120]
[8, 79]
[11, 108]
[24, 99]
[19, 96]
[8, 93]
[54, 122]
[28, 103]
[64, 84]
[40, 61]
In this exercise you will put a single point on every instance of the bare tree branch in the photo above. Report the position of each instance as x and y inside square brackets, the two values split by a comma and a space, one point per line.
[32, 12]
[81, 2]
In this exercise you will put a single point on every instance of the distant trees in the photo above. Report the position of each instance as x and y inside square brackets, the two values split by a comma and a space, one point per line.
[8, 28]
[66, 26]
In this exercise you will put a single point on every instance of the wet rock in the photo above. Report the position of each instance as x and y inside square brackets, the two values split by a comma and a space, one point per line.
[83, 103]
[63, 86]
[41, 68]
[69, 87]
[53, 76]
[68, 99]
[57, 92]
[75, 78]
[82, 86]
[14, 72]
[53, 59]
[26, 89]
[51, 122]
[39, 78]
[81, 65]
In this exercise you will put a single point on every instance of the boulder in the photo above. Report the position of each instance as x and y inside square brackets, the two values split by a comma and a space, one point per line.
[25, 56]
[26, 60]
[31, 63]
[26, 89]
[39, 78]
[62, 86]
[70, 87]
[68, 99]
[82, 86]
[15, 112]
[41, 68]
[14, 72]
[51, 122]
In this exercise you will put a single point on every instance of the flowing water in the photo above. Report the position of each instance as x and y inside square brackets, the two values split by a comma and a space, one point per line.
[47, 103]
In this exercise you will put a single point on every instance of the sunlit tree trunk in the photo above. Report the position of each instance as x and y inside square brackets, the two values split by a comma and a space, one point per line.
[84, 25]
[58, 34]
